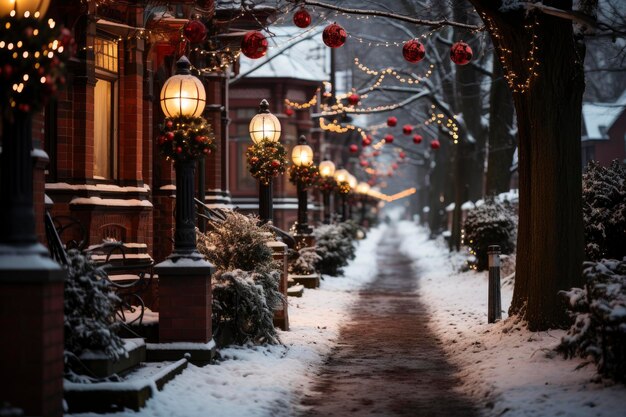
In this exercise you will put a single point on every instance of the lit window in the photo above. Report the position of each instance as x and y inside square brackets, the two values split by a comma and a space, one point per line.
[105, 109]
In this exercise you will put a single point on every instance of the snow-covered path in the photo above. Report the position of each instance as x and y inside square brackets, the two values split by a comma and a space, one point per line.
[387, 361]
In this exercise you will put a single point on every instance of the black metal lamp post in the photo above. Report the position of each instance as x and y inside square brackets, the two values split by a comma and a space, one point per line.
[363, 188]
[302, 155]
[264, 126]
[183, 95]
[327, 170]
[342, 175]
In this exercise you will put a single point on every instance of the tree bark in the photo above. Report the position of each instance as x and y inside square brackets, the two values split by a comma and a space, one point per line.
[501, 141]
[550, 238]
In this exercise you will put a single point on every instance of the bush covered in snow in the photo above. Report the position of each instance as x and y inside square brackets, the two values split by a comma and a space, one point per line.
[604, 211]
[599, 313]
[89, 309]
[246, 285]
[492, 223]
[335, 245]
[304, 261]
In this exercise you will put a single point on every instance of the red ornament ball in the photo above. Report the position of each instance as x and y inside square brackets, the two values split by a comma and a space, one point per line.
[179, 150]
[194, 31]
[334, 35]
[388, 138]
[275, 163]
[392, 121]
[376, 153]
[394, 166]
[289, 111]
[353, 148]
[254, 44]
[367, 141]
[363, 163]
[461, 53]
[402, 155]
[413, 51]
[417, 139]
[353, 99]
[302, 18]
[169, 124]
[407, 129]
[169, 136]
[434, 144]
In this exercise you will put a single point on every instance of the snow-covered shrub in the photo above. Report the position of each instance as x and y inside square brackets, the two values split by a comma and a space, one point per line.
[604, 211]
[335, 245]
[89, 309]
[492, 223]
[304, 262]
[599, 313]
[244, 302]
[246, 284]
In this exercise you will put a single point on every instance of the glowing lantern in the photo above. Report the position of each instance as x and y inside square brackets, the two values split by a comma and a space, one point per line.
[183, 94]
[264, 125]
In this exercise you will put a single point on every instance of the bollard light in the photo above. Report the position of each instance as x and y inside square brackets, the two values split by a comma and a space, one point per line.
[264, 125]
[183, 94]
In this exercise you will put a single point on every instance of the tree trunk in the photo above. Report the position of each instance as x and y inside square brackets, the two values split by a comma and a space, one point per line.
[550, 238]
[501, 141]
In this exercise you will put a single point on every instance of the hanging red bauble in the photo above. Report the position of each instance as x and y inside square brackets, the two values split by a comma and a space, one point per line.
[394, 166]
[363, 163]
[417, 139]
[461, 53]
[434, 144]
[413, 51]
[353, 148]
[367, 141]
[302, 18]
[402, 154]
[392, 121]
[194, 31]
[254, 44]
[388, 138]
[353, 99]
[407, 129]
[376, 153]
[334, 35]
[289, 111]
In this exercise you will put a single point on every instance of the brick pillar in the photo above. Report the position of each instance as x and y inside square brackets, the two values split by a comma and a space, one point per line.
[279, 253]
[185, 301]
[31, 318]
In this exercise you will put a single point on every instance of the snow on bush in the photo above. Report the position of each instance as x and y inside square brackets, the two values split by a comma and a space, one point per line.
[604, 211]
[599, 313]
[304, 262]
[335, 245]
[89, 308]
[492, 223]
[245, 287]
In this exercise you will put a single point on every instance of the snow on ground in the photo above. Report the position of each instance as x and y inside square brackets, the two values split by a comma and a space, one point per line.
[512, 370]
[269, 380]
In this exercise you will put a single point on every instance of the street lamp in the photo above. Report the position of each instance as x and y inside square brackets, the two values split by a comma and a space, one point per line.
[183, 96]
[265, 127]
[327, 170]
[363, 189]
[343, 176]
[352, 182]
[302, 156]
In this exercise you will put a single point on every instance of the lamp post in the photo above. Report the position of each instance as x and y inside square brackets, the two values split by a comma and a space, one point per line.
[264, 126]
[327, 170]
[352, 182]
[341, 176]
[183, 95]
[363, 189]
[302, 156]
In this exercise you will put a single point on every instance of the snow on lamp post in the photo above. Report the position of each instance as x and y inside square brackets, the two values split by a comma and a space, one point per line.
[302, 157]
[342, 177]
[327, 171]
[266, 157]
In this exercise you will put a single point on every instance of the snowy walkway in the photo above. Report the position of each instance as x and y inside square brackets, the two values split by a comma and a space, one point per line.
[387, 362]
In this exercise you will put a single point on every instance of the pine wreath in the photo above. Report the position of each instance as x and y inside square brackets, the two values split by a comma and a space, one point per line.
[305, 176]
[343, 187]
[33, 54]
[327, 184]
[266, 160]
[185, 138]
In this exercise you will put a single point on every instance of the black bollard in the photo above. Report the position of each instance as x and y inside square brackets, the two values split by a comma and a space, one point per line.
[494, 312]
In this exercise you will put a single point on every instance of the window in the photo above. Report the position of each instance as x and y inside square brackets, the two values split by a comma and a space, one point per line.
[105, 109]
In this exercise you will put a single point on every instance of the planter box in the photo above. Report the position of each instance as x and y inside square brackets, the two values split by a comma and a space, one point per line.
[307, 281]
[101, 366]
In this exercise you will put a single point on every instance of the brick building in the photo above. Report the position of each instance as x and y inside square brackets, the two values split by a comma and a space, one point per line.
[604, 132]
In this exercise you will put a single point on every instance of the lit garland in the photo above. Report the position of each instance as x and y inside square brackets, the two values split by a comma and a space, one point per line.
[184, 138]
[343, 187]
[513, 79]
[33, 55]
[302, 106]
[305, 176]
[390, 71]
[335, 127]
[450, 124]
[266, 160]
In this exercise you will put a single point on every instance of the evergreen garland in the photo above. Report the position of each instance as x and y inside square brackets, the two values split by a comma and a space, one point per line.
[184, 138]
[266, 160]
[327, 184]
[305, 176]
[32, 55]
[343, 187]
